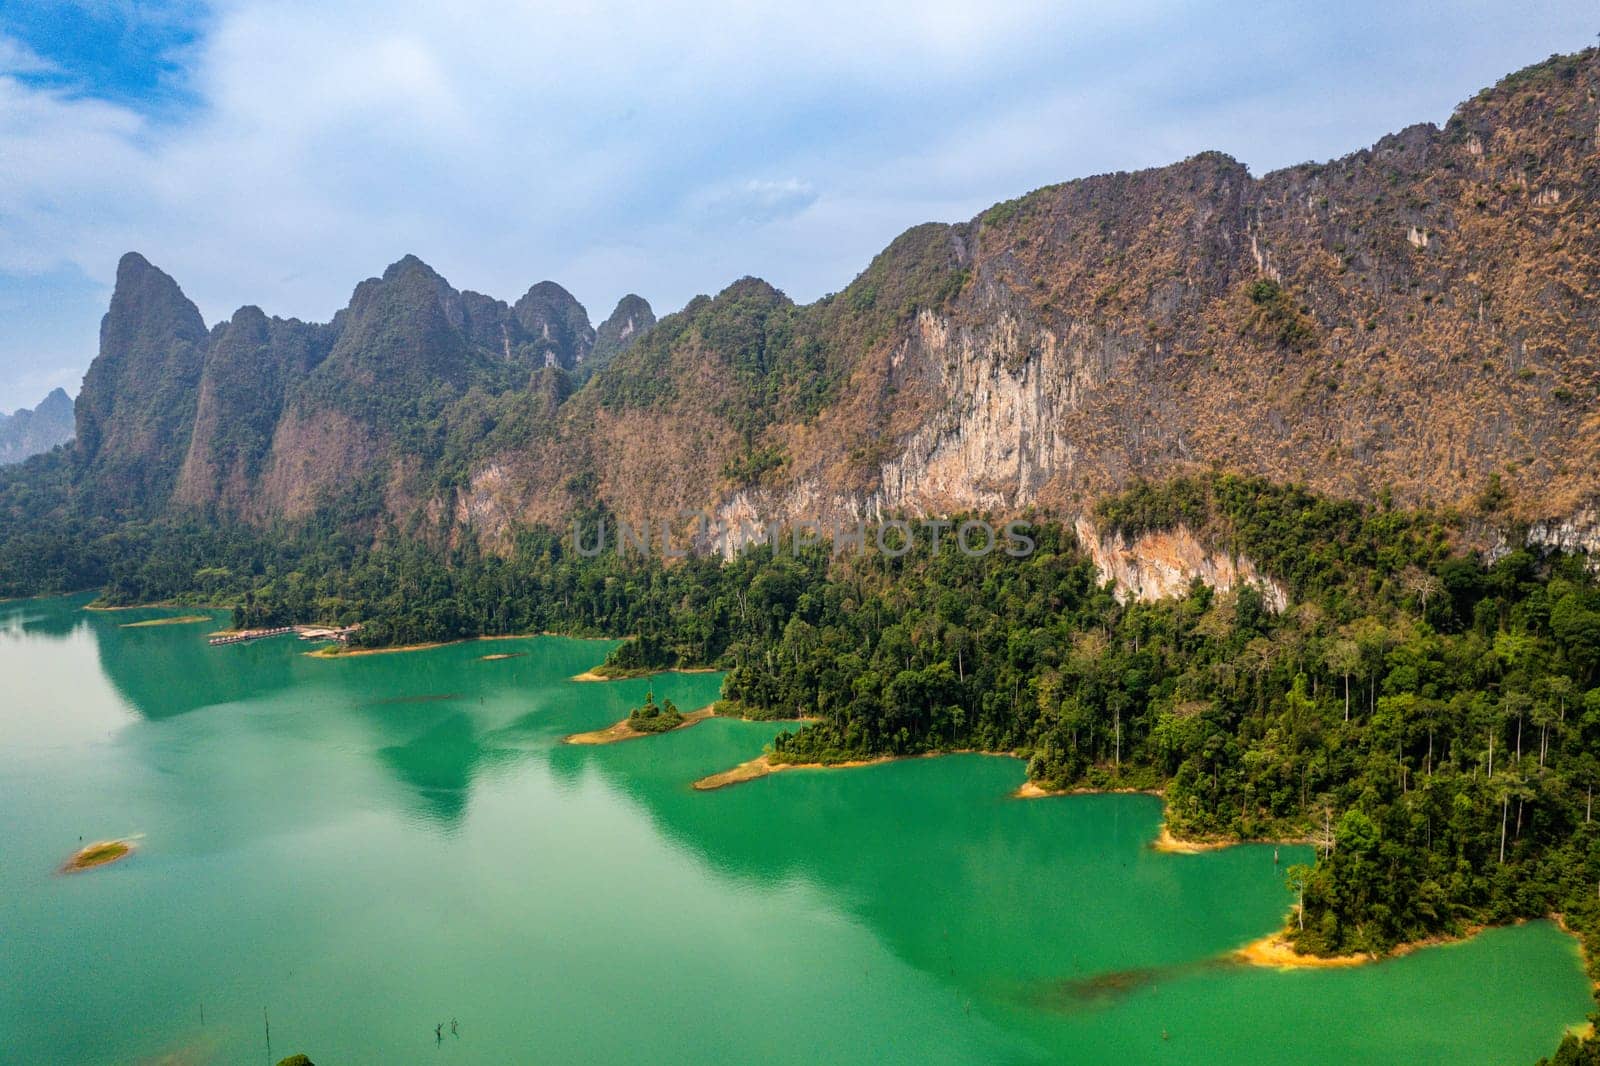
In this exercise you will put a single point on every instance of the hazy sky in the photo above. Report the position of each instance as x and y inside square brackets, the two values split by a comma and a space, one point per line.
[276, 152]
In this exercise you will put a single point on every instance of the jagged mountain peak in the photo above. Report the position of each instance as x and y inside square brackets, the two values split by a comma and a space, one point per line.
[751, 286]
[548, 291]
[632, 303]
[410, 264]
[131, 266]
[557, 324]
[136, 407]
[631, 320]
[145, 291]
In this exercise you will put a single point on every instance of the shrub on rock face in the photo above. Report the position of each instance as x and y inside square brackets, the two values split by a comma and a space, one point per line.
[1274, 315]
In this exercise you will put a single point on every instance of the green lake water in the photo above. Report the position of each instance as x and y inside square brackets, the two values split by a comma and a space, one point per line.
[366, 847]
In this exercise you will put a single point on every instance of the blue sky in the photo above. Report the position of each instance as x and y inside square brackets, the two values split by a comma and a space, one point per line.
[276, 153]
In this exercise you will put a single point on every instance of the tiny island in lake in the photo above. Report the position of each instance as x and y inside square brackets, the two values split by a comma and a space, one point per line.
[100, 853]
[645, 720]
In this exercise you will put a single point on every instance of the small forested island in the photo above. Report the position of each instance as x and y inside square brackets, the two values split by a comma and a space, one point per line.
[647, 720]
[653, 718]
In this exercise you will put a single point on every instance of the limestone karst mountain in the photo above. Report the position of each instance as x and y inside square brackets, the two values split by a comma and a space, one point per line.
[1413, 321]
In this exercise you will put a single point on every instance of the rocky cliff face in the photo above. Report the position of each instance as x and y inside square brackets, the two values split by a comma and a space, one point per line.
[250, 365]
[1411, 321]
[28, 432]
[135, 413]
[1578, 532]
[555, 325]
[1160, 565]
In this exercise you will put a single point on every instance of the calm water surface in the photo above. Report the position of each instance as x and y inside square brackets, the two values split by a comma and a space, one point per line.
[369, 846]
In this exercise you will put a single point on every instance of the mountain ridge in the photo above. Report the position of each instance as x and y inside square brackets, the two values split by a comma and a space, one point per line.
[1408, 322]
[29, 431]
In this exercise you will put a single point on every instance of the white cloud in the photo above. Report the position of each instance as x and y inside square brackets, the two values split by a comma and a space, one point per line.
[668, 148]
[17, 58]
[753, 202]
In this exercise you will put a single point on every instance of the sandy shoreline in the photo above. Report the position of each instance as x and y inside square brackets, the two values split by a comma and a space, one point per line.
[177, 620]
[142, 606]
[622, 730]
[1034, 790]
[337, 651]
[1171, 845]
[1277, 952]
[763, 766]
[1165, 842]
[590, 675]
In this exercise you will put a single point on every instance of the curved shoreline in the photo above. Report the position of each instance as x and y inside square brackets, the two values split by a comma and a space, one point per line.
[1168, 844]
[763, 766]
[634, 675]
[623, 730]
[1273, 951]
[175, 620]
[336, 651]
[1034, 790]
[1276, 952]
[139, 606]
[1166, 841]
